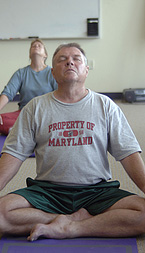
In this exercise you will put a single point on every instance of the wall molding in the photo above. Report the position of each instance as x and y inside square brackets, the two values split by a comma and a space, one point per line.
[113, 95]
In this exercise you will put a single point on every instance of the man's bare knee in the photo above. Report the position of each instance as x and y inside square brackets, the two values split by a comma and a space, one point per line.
[12, 202]
[132, 202]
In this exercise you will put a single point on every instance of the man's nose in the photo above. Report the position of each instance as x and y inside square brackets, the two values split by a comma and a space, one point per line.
[69, 62]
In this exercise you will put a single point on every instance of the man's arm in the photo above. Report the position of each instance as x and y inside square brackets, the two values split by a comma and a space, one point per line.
[135, 168]
[9, 166]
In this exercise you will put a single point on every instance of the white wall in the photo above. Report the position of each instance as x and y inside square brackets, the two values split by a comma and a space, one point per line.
[119, 54]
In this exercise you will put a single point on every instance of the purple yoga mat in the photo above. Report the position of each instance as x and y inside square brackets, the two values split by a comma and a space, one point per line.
[2, 140]
[78, 245]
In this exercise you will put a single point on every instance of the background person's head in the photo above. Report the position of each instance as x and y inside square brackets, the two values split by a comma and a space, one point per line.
[38, 42]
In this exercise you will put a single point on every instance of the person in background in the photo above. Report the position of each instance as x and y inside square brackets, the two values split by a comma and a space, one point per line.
[72, 129]
[33, 80]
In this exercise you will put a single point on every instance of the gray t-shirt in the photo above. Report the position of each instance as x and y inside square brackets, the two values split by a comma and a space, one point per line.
[29, 84]
[71, 141]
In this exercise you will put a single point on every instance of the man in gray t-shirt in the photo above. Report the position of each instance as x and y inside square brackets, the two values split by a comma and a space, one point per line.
[71, 130]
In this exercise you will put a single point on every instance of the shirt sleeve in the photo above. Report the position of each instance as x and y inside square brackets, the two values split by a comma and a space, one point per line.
[20, 142]
[13, 86]
[121, 139]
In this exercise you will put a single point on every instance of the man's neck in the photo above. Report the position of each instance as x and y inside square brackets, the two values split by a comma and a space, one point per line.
[70, 95]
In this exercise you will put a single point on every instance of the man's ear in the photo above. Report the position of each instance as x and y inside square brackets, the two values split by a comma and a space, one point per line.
[87, 70]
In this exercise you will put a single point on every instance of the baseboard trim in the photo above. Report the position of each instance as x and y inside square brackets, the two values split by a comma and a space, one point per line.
[113, 95]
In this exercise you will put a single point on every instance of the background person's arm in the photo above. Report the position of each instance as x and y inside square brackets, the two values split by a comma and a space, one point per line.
[3, 101]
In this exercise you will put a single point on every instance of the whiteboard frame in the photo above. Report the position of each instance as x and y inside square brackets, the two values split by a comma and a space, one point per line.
[47, 19]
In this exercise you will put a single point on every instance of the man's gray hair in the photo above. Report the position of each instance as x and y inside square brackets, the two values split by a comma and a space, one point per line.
[67, 45]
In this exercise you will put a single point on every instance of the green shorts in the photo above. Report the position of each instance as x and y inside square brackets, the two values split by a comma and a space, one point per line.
[62, 199]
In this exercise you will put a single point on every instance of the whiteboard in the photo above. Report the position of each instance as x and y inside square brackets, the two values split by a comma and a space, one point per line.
[46, 18]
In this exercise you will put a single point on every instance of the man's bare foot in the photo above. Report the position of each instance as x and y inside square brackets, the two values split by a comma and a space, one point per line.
[59, 228]
[81, 214]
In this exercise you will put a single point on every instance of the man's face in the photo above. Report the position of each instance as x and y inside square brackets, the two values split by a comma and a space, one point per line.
[69, 66]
